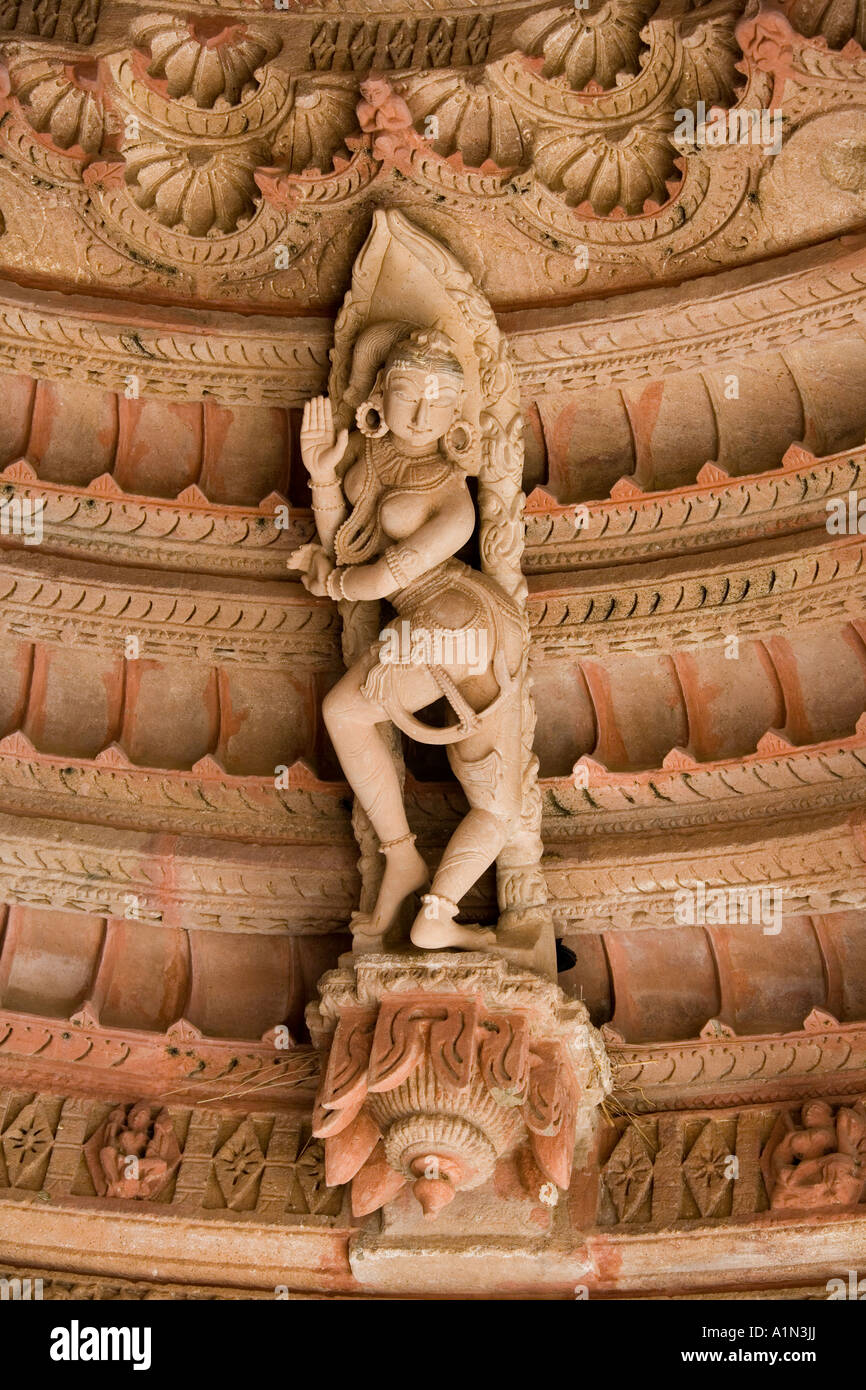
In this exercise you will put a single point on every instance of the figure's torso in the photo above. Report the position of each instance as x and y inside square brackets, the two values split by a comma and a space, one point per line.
[392, 496]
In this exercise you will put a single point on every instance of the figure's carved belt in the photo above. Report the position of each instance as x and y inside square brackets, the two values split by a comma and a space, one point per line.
[469, 720]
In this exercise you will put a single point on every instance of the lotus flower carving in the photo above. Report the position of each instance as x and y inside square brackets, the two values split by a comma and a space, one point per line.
[207, 65]
[203, 191]
[62, 101]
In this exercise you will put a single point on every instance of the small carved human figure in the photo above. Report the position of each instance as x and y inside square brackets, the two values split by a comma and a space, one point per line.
[821, 1163]
[136, 1152]
[393, 508]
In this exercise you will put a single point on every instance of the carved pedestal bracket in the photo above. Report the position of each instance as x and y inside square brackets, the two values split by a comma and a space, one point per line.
[440, 1066]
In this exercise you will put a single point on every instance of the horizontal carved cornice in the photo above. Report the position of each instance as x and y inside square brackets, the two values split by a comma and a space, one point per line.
[817, 862]
[701, 324]
[50, 600]
[193, 883]
[181, 1062]
[294, 807]
[763, 786]
[110, 791]
[101, 522]
[825, 1058]
[716, 512]
[235, 359]
[175, 355]
[628, 874]
[751, 593]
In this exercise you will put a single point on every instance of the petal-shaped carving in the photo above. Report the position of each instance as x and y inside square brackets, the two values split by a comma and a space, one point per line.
[199, 190]
[837, 21]
[209, 65]
[588, 47]
[607, 170]
[315, 130]
[710, 55]
[61, 100]
[459, 115]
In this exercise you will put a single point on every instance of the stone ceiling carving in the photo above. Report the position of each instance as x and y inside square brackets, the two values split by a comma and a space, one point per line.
[183, 189]
[187, 157]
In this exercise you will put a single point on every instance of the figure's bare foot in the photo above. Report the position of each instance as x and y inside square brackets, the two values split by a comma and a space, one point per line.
[434, 929]
[361, 924]
[405, 873]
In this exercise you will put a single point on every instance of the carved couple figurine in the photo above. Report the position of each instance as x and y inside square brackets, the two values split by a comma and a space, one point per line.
[392, 509]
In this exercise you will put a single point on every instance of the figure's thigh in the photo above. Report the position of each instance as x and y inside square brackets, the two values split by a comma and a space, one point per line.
[364, 693]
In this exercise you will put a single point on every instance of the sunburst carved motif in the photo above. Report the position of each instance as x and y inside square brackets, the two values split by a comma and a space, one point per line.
[710, 56]
[608, 171]
[315, 128]
[460, 115]
[602, 48]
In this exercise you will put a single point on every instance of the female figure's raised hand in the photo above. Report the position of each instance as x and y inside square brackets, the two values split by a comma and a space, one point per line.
[320, 449]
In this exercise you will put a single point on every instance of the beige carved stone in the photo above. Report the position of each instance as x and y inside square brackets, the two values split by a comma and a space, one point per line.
[188, 193]
[422, 373]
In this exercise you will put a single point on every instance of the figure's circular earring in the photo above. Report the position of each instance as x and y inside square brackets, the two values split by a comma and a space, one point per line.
[370, 420]
[459, 441]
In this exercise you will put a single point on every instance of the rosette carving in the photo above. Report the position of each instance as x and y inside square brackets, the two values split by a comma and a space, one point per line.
[709, 62]
[472, 118]
[314, 131]
[62, 101]
[206, 64]
[609, 170]
[202, 191]
[602, 48]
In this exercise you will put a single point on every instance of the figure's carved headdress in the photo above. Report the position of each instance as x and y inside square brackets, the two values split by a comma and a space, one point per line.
[395, 343]
[426, 349]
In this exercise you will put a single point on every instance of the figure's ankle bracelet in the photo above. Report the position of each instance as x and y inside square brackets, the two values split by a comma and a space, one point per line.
[438, 904]
[385, 845]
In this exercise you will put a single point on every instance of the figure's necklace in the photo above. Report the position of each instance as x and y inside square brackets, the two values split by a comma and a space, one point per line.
[395, 469]
[385, 470]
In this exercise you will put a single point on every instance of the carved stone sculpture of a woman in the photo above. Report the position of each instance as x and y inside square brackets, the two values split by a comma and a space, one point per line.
[390, 524]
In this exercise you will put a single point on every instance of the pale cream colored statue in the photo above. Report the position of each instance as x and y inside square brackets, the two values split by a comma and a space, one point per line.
[393, 508]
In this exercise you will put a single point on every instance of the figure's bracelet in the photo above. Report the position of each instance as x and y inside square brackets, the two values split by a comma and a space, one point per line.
[327, 496]
[398, 558]
[334, 584]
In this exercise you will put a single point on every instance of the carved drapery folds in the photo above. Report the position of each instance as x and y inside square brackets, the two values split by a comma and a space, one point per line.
[437, 1070]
